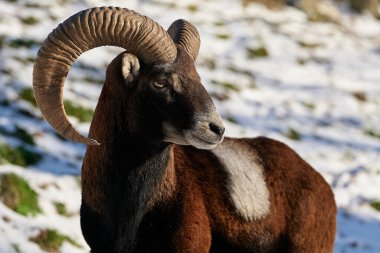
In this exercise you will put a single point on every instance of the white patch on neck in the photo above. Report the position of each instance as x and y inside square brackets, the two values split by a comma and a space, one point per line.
[246, 183]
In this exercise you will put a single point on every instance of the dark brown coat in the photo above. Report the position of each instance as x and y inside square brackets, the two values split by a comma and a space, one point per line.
[140, 195]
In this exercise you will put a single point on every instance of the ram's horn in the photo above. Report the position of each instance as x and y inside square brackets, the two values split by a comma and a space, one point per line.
[83, 31]
[185, 35]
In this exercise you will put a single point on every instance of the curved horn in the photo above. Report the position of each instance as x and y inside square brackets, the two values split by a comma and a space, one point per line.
[81, 32]
[185, 34]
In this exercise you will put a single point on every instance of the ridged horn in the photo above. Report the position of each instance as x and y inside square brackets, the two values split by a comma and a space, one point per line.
[185, 34]
[81, 32]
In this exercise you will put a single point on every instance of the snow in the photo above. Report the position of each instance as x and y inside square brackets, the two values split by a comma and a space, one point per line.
[309, 82]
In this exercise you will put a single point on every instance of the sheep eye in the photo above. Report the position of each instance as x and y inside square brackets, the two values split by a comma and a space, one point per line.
[159, 84]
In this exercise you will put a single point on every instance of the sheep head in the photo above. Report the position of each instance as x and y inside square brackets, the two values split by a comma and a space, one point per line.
[158, 66]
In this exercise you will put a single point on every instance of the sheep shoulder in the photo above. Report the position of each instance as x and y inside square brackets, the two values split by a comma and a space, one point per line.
[258, 189]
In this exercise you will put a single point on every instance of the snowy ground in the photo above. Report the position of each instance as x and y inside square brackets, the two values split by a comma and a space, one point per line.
[314, 86]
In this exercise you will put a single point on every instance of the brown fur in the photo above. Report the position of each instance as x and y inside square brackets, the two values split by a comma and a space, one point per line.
[165, 190]
[294, 224]
[141, 196]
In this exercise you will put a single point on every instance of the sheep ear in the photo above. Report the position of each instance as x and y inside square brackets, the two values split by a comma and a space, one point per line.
[130, 68]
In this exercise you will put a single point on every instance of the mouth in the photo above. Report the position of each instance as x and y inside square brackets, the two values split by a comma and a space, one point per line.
[205, 134]
[204, 142]
[202, 139]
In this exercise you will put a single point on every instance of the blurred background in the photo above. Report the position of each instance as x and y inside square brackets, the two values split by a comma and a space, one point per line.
[304, 72]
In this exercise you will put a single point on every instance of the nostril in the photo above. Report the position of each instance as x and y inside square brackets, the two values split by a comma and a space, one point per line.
[217, 129]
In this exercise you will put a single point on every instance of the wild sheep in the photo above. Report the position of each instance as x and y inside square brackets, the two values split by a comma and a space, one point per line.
[162, 179]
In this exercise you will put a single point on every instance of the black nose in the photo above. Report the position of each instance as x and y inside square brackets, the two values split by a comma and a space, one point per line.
[217, 129]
